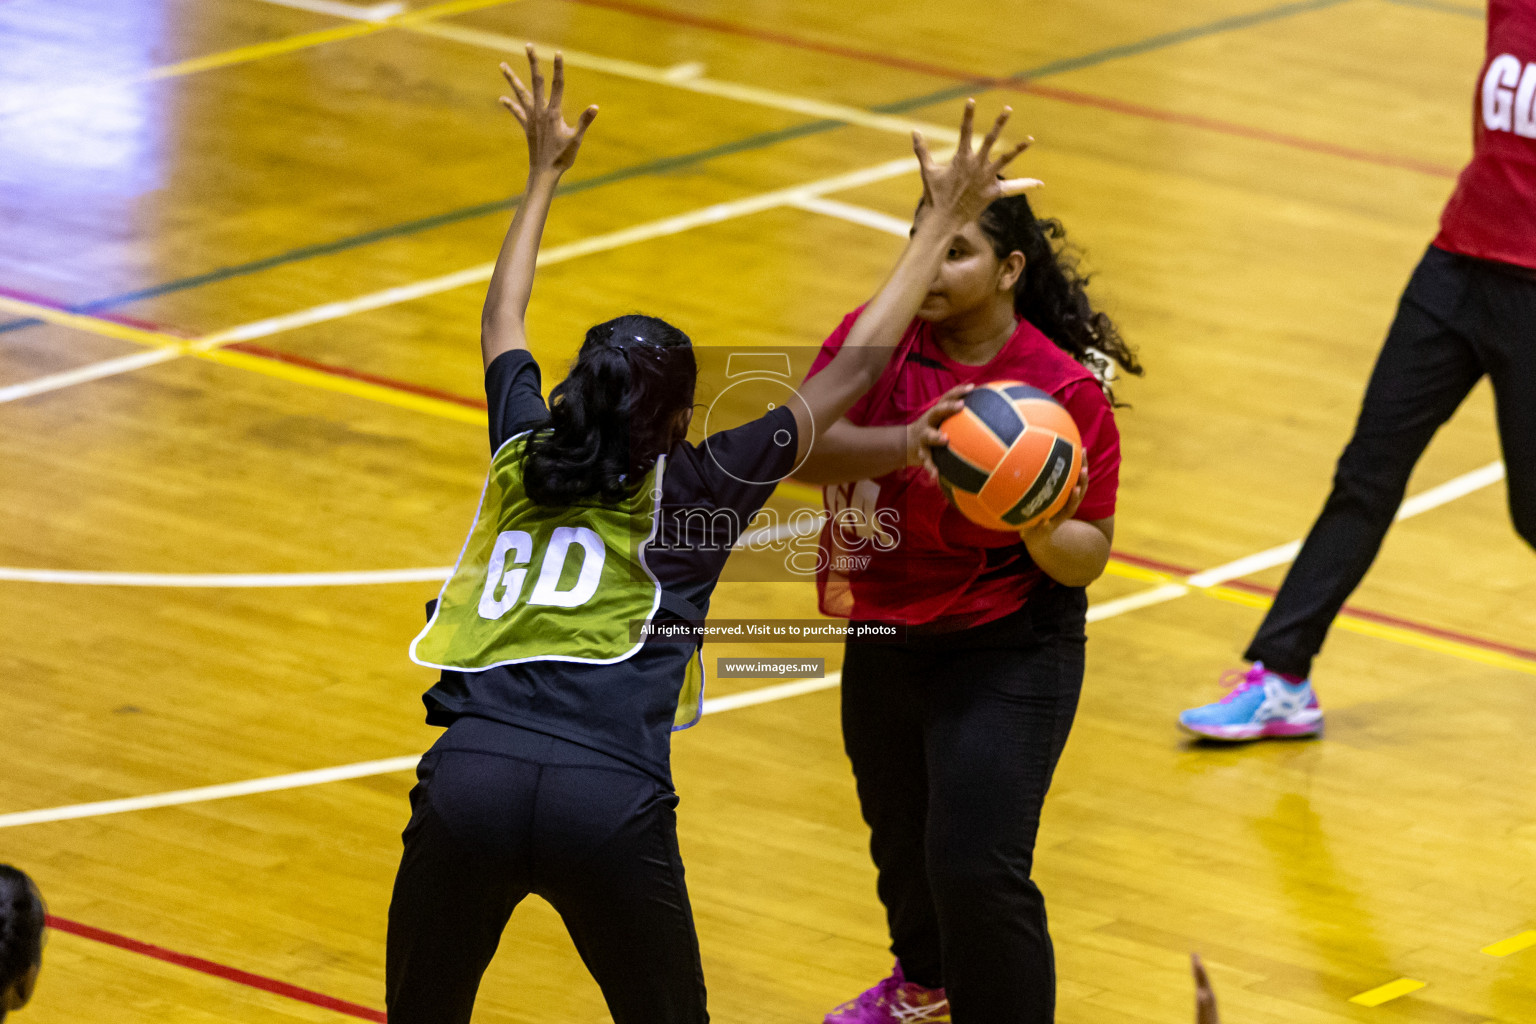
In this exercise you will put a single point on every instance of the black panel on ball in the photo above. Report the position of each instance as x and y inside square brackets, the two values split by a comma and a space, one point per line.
[997, 413]
[1047, 485]
[957, 471]
[1018, 391]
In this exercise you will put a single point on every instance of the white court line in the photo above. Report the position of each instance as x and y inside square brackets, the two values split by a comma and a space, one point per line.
[88, 578]
[1433, 498]
[718, 213]
[688, 76]
[798, 527]
[337, 9]
[1133, 602]
[89, 372]
[1459, 487]
[359, 770]
[1449, 491]
[769, 694]
[856, 214]
[248, 787]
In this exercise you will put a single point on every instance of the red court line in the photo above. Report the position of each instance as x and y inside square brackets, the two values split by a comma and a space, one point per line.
[783, 38]
[1410, 625]
[262, 352]
[1148, 563]
[197, 963]
[1025, 86]
[250, 348]
[1231, 128]
[126, 321]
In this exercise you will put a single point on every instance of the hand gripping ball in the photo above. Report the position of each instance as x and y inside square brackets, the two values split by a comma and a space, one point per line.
[1013, 456]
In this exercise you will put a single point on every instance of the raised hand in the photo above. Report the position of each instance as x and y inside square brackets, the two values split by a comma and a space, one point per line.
[552, 144]
[972, 179]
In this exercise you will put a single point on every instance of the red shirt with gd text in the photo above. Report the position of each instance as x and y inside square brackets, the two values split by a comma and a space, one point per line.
[910, 557]
[1492, 214]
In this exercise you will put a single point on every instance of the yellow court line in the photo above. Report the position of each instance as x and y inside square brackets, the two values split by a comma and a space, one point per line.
[305, 40]
[1514, 944]
[344, 385]
[1394, 634]
[263, 365]
[1135, 572]
[806, 493]
[447, 9]
[258, 51]
[92, 325]
[1388, 992]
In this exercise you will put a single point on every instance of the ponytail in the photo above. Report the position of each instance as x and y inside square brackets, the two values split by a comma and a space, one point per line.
[1052, 294]
[614, 413]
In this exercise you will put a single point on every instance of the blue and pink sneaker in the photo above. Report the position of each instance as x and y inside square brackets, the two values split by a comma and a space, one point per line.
[1262, 704]
[894, 1001]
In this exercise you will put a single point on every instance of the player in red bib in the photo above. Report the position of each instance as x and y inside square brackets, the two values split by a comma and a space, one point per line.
[1468, 310]
[955, 731]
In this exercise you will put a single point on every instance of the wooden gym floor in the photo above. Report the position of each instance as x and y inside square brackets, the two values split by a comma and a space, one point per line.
[244, 247]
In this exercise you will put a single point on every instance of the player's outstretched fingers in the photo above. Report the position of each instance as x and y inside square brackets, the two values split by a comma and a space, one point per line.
[536, 75]
[992, 136]
[1012, 154]
[966, 121]
[557, 82]
[517, 110]
[587, 117]
[519, 90]
[920, 147]
[1016, 186]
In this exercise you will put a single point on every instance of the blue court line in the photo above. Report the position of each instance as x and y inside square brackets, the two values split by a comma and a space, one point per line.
[679, 162]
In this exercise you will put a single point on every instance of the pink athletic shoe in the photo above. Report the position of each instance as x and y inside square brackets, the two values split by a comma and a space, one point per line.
[894, 1001]
[1262, 704]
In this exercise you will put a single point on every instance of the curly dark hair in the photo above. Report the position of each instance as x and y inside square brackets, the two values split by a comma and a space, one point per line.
[1051, 293]
[22, 916]
[614, 413]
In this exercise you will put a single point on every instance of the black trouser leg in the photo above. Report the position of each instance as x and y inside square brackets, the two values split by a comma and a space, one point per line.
[1508, 347]
[451, 902]
[953, 749]
[1424, 371]
[993, 742]
[620, 891]
[883, 737]
[599, 842]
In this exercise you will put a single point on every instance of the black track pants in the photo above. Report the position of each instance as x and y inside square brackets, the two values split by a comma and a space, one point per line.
[1459, 319]
[953, 741]
[499, 813]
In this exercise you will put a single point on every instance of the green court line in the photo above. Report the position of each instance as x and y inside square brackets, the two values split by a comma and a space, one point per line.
[681, 161]
[1135, 49]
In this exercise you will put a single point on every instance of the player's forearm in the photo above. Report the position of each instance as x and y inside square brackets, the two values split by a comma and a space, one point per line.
[846, 452]
[502, 321]
[867, 349]
[887, 315]
[1073, 554]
